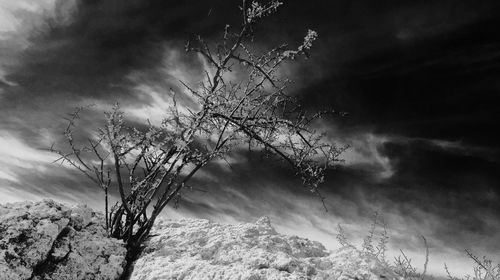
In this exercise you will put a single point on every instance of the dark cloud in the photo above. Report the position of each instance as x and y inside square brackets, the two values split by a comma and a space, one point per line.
[91, 54]
[439, 83]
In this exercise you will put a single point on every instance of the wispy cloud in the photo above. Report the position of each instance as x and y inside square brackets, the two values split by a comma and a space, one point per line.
[365, 152]
[29, 173]
[457, 147]
[16, 154]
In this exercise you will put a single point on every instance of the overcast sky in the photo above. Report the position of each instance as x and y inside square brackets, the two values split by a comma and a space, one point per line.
[420, 81]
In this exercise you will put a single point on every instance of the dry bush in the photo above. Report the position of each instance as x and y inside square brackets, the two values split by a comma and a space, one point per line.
[484, 269]
[151, 164]
[402, 264]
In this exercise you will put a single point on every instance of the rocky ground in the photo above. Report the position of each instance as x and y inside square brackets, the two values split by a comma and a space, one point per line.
[198, 249]
[48, 240]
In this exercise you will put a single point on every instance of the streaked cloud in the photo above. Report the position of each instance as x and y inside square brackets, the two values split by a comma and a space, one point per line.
[14, 150]
[365, 150]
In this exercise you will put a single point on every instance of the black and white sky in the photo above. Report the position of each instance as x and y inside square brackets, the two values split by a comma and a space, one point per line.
[420, 81]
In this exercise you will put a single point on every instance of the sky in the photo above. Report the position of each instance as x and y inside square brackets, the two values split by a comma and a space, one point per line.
[419, 81]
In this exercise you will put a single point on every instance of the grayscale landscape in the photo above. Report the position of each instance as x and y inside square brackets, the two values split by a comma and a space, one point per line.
[157, 139]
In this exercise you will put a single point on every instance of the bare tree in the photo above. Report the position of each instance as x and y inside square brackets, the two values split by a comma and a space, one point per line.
[151, 166]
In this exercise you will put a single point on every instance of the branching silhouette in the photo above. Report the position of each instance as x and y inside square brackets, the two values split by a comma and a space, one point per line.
[150, 166]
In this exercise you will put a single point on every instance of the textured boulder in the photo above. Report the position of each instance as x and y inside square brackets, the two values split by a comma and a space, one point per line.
[48, 240]
[198, 249]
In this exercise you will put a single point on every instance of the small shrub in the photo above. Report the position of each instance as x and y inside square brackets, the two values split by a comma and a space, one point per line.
[484, 269]
[402, 264]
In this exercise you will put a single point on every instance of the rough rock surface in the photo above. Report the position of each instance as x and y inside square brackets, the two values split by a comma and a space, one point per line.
[48, 240]
[198, 249]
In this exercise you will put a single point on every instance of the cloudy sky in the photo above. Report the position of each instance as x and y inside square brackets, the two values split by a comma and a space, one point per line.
[420, 81]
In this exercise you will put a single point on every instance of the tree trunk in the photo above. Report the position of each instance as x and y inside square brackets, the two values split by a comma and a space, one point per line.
[106, 210]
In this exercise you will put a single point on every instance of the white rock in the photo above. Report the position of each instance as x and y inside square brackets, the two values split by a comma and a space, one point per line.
[81, 216]
[48, 240]
[198, 249]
